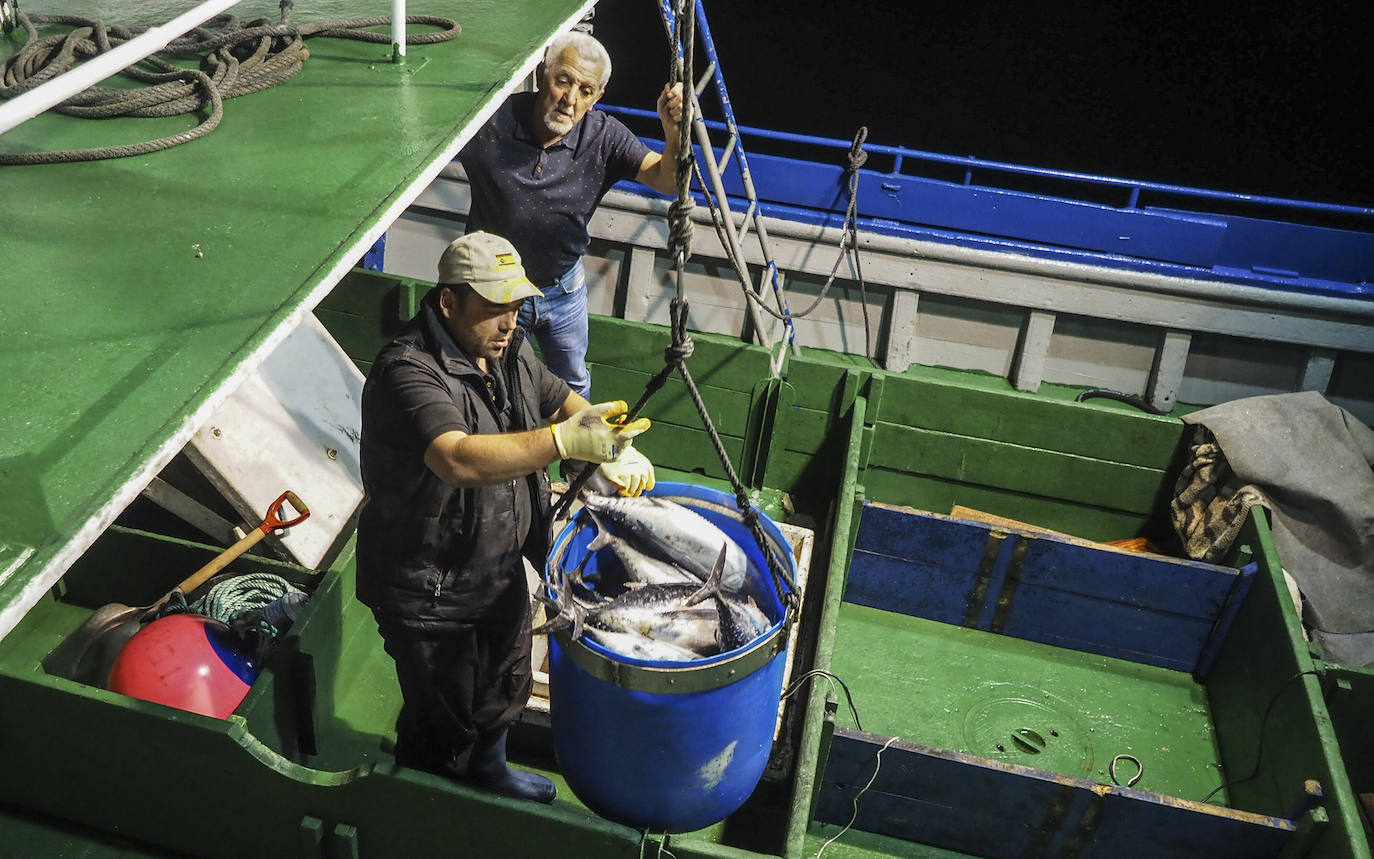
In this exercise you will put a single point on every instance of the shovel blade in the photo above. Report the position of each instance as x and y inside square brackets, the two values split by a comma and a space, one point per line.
[88, 653]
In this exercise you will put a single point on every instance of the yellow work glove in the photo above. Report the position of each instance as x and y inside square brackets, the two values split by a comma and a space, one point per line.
[631, 471]
[592, 434]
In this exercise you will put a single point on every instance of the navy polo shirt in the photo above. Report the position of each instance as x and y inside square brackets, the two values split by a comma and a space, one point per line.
[541, 199]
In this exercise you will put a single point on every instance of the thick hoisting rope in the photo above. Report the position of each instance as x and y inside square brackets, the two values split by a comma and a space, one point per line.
[679, 245]
[675, 355]
[238, 58]
[680, 212]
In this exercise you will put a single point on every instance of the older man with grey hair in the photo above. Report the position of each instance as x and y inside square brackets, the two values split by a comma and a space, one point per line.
[539, 168]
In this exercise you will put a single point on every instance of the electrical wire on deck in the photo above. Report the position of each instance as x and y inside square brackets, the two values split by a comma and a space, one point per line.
[833, 678]
[1264, 723]
[877, 765]
[237, 58]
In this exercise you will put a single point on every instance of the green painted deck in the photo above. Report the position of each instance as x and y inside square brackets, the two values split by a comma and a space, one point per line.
[971, 691]
[139, 291]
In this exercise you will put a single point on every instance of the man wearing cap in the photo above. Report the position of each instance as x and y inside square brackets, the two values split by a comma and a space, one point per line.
[454, 452]
[539, 168]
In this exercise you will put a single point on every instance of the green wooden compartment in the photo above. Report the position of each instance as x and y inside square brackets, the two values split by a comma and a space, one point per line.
[923, 677]
[304, 768]
[1016, 668]
[1349, 696]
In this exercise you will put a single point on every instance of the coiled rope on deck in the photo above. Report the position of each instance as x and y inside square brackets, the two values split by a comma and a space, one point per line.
[238, 58]
[242, 600]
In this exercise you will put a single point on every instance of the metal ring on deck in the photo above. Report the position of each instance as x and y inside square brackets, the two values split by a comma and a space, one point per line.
[1140, 769]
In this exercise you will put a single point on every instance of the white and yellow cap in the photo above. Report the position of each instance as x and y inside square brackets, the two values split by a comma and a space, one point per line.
[489, 264]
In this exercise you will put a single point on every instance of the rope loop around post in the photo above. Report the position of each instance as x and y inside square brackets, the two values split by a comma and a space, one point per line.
[857, 156]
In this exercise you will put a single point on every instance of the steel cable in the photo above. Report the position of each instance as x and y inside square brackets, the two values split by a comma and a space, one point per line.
[238, 58]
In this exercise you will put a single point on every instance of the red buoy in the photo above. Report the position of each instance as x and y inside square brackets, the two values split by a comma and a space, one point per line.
[187, 661]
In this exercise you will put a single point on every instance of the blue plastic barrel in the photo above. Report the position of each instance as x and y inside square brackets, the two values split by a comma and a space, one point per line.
[669, 746]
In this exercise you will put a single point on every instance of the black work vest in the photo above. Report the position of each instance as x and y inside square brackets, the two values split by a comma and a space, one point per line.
[430, 553]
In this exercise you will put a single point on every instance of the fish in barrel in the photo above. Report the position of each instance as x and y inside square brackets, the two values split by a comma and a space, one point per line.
[673, 607]
[671, 532]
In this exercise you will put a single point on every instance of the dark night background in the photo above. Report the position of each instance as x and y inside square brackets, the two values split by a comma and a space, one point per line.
[1264, 97]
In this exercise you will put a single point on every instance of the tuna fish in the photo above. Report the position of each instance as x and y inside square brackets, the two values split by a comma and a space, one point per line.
[640, 646]
[699, 619]
[660, 612]
[641, 566]
[673, 533]
[741, 620]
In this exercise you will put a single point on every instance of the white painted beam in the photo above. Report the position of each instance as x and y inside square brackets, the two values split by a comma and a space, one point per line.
[1031, 352]
[1167, 373]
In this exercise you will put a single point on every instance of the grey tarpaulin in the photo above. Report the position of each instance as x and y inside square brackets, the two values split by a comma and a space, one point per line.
[1308, 461]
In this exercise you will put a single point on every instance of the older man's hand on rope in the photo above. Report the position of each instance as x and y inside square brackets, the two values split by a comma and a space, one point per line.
[670, 105]
[632, 472]
[594, 434]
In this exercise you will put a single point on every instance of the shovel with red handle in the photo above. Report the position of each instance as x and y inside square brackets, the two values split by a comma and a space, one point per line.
[88, 653]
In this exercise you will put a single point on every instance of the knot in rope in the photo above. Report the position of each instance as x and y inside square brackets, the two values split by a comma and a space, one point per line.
[677, 353]
[747, 511]
[680, 227]
[681, 348]
[857, 157]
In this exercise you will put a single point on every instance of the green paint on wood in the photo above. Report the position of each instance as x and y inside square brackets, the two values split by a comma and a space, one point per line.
[1040, 420]
[1349, 695]
[1264, 668]
[728, 408]
[978, 461]
[136, 289]
[716, 359]
[1046, 707]
[939, 495]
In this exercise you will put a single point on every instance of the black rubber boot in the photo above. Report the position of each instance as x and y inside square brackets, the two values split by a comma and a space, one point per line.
[488, 769]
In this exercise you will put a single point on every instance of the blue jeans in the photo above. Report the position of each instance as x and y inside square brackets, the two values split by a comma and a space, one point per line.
[558, 321]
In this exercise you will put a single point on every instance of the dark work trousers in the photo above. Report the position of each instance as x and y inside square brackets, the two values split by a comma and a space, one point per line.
[461, 686]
